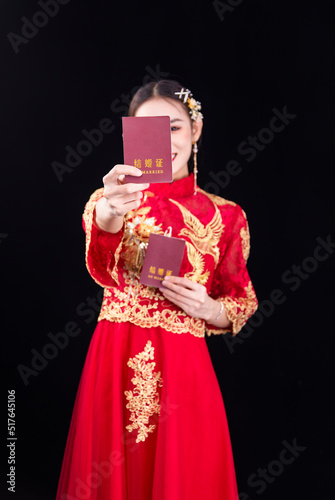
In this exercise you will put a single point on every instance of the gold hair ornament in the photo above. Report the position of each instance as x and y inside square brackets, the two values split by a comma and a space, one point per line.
[194, 106]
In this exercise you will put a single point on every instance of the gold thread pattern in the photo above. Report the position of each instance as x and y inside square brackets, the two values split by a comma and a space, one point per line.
[217, 199]
[245, 242]
[143, 401]
[146, 306]
[136, 236]
[240, 309]
[88, 220]
[197, 261]
[204, 238]
[114, 272]
[121, 306]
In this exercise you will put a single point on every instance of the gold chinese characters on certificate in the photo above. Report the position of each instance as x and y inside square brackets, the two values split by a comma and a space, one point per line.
[147, 146]
[163, 258]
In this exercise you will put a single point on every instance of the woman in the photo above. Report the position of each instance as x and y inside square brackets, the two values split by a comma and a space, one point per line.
[149, 420]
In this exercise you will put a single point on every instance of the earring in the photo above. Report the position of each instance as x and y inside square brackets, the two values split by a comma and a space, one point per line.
[195, 166]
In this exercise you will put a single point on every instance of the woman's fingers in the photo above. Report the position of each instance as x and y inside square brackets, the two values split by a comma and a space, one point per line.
[181, 285]
[127, 198]
[122, 197]
[114, 185]
[187, 294]
[129, 188]
[176, 297]
[121, 170]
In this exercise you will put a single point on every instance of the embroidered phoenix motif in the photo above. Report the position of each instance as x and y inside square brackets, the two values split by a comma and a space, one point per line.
[204, 238]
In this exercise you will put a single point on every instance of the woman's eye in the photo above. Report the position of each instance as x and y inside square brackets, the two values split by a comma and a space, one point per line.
[173, 129]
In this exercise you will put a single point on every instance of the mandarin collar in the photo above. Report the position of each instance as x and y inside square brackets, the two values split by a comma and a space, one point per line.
[180, 188]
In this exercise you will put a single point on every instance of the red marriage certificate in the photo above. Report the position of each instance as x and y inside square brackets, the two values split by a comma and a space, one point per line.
[163, 257]
[147, 146]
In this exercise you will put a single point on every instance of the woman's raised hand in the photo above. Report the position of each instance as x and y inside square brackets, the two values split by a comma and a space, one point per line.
[118, 197]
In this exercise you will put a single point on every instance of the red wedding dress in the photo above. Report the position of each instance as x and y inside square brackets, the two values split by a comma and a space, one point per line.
[149, 421]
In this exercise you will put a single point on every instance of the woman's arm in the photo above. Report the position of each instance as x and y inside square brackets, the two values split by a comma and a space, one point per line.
[104, 219]
[118, 198]
[231, 286]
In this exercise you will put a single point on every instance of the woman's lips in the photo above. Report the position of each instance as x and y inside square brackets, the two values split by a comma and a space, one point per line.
[174, 156]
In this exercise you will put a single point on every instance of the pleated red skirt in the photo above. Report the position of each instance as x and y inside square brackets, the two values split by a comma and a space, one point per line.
[166, 438]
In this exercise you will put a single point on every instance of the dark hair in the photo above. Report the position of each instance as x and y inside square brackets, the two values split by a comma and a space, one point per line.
[162, 88]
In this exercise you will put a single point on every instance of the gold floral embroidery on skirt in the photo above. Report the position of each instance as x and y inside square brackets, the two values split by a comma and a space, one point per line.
[144, 399]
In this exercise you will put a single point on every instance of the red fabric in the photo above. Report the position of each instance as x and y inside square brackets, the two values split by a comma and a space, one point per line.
[187, 457]
[223, 259]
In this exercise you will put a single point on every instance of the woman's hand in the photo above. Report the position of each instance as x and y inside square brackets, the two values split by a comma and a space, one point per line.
[194, 300]
[118, 198]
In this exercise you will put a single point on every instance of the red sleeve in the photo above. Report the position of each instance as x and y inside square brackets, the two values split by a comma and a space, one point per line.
[102, 248]
[231, 282]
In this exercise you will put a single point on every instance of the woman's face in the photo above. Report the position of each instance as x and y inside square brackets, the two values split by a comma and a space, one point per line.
[183, 130]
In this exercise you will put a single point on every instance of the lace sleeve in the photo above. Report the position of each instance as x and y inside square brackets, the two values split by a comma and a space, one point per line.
[231, 283]
[102, 248]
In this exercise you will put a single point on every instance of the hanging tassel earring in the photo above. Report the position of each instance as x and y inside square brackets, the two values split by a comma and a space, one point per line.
[195, 166]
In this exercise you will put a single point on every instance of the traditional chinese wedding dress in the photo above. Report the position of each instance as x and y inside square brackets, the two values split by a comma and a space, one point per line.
[149, 421]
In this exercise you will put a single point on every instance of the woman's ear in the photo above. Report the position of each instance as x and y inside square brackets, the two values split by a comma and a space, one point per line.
[196, 129]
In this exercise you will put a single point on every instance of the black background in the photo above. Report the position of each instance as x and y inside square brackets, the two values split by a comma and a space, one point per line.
[276, 381]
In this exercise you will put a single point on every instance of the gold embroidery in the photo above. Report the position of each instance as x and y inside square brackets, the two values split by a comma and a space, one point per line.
[146, 306]
[240, 309]
[217, 199]
[120, 306]
[197, 261]
[144, 400]
[204, 238]
[245, 242]
[136, 236]
[114, 272]
[88, 220]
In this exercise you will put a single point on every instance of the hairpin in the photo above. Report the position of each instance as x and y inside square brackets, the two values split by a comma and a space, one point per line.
[194, 106]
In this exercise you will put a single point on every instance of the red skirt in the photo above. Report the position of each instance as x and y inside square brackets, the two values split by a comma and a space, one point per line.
[148, 422]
